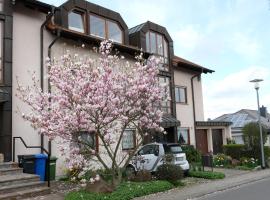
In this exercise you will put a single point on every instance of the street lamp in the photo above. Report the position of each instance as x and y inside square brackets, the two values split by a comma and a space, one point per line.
[256, 86]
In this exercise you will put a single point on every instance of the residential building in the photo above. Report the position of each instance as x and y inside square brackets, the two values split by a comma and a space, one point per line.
[242, 117]
[31, 30]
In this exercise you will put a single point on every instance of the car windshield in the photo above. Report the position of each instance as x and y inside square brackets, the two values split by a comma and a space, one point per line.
[175, 149]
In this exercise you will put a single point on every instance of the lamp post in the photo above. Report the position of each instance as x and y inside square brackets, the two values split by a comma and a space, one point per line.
[256, 86]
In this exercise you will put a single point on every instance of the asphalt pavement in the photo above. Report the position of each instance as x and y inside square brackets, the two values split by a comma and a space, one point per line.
[220, 187]
[258, 190]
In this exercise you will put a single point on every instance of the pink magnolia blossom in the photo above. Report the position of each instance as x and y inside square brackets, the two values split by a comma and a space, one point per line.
[95, 95]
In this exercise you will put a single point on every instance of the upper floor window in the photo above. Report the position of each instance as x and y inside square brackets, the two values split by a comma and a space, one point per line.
[1, 51]
[1, 5]
[76, 21]
[105, 28]
[165, 104]
[157, 44]
[180, 94]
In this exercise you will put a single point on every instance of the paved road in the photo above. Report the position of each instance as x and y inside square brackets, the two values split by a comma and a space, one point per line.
[258, 190]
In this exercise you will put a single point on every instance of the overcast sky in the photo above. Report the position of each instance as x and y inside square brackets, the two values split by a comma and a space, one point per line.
[231, 37]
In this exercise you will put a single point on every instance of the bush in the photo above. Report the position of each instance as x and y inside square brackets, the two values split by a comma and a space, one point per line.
[125, 191]
[235, 151]
[193, 155]
[206, 174]
[169, 172]
[222, 160]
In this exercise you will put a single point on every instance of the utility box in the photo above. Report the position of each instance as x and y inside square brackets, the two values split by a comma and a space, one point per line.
[207, 161]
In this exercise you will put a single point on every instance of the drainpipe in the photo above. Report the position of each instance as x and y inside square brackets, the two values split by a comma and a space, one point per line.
[48, 17]
[193, 100]
[49, 85]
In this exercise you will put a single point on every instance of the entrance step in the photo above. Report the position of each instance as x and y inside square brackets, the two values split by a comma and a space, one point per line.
[25, 193]
[6, 165]
[14, 184]
[10, 171]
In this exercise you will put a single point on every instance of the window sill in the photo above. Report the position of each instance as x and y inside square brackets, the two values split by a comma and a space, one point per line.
[182, 103]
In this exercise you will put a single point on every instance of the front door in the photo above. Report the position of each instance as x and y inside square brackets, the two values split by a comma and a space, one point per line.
[201, 140]
[5, 132]
[217, 140]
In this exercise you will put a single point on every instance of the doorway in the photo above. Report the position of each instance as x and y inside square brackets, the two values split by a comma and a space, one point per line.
[201, 140]
[217, 140]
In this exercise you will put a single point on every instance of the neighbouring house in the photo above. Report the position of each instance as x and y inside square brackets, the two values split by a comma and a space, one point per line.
[242, 117]
[205, 136]
[31, 30]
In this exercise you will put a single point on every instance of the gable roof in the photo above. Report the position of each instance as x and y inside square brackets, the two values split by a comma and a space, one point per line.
[243, 117]
[179, 62]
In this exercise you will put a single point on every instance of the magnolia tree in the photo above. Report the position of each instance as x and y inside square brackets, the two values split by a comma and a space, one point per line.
[102, 96]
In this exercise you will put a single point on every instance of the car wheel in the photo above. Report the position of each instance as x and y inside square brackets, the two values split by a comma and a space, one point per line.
[130, 171]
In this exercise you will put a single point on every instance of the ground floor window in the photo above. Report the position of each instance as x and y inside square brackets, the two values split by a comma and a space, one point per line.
[86, 141]
[129, 139]
[183, 135]
[238, 139]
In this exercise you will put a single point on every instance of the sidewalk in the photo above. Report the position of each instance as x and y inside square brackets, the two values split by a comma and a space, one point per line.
[199, 190]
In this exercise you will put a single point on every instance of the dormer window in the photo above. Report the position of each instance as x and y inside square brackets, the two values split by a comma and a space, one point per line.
[105, 28]
[97, 26]
[157, 45]
[76, 21]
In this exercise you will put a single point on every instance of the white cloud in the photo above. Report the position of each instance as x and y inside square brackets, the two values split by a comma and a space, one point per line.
[235, 92]
[187, 37]
[245, 45]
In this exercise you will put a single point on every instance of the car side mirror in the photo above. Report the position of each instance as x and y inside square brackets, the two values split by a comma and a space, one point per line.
[156, 153]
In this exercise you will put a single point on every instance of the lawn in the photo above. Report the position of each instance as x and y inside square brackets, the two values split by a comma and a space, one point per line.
[125, 191]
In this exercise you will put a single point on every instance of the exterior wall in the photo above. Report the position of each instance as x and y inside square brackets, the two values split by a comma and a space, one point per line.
[184, 112]
[26, 57]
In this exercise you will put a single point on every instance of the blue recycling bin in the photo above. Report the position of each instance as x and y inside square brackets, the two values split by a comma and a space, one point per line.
[40, 165]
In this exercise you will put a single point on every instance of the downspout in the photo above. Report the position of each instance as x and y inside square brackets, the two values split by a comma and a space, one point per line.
[48, 18]
[49, 85]
[193, 100]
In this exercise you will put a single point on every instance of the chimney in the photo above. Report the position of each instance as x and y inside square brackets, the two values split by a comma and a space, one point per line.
[263, 111]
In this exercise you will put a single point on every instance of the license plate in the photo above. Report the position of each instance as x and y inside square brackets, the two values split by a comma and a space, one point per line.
[179, 158]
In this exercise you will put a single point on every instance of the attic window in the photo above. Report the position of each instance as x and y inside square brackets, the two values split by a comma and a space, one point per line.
[76, 21]
[105, 28]
[1, 5]
[157, 45]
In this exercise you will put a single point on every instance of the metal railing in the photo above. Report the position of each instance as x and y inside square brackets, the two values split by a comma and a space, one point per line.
[34, 147]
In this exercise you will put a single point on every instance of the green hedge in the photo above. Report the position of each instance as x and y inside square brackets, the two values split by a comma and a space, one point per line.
[206, 174]
[237, 151]
[125, 191]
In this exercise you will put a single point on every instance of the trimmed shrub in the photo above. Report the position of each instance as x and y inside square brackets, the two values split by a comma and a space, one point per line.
[193, 155]
[169, 172]
[206, 174]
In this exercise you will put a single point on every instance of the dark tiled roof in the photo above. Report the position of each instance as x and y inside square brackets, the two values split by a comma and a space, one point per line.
[213, 123]
[181, 62]
[136, 28]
